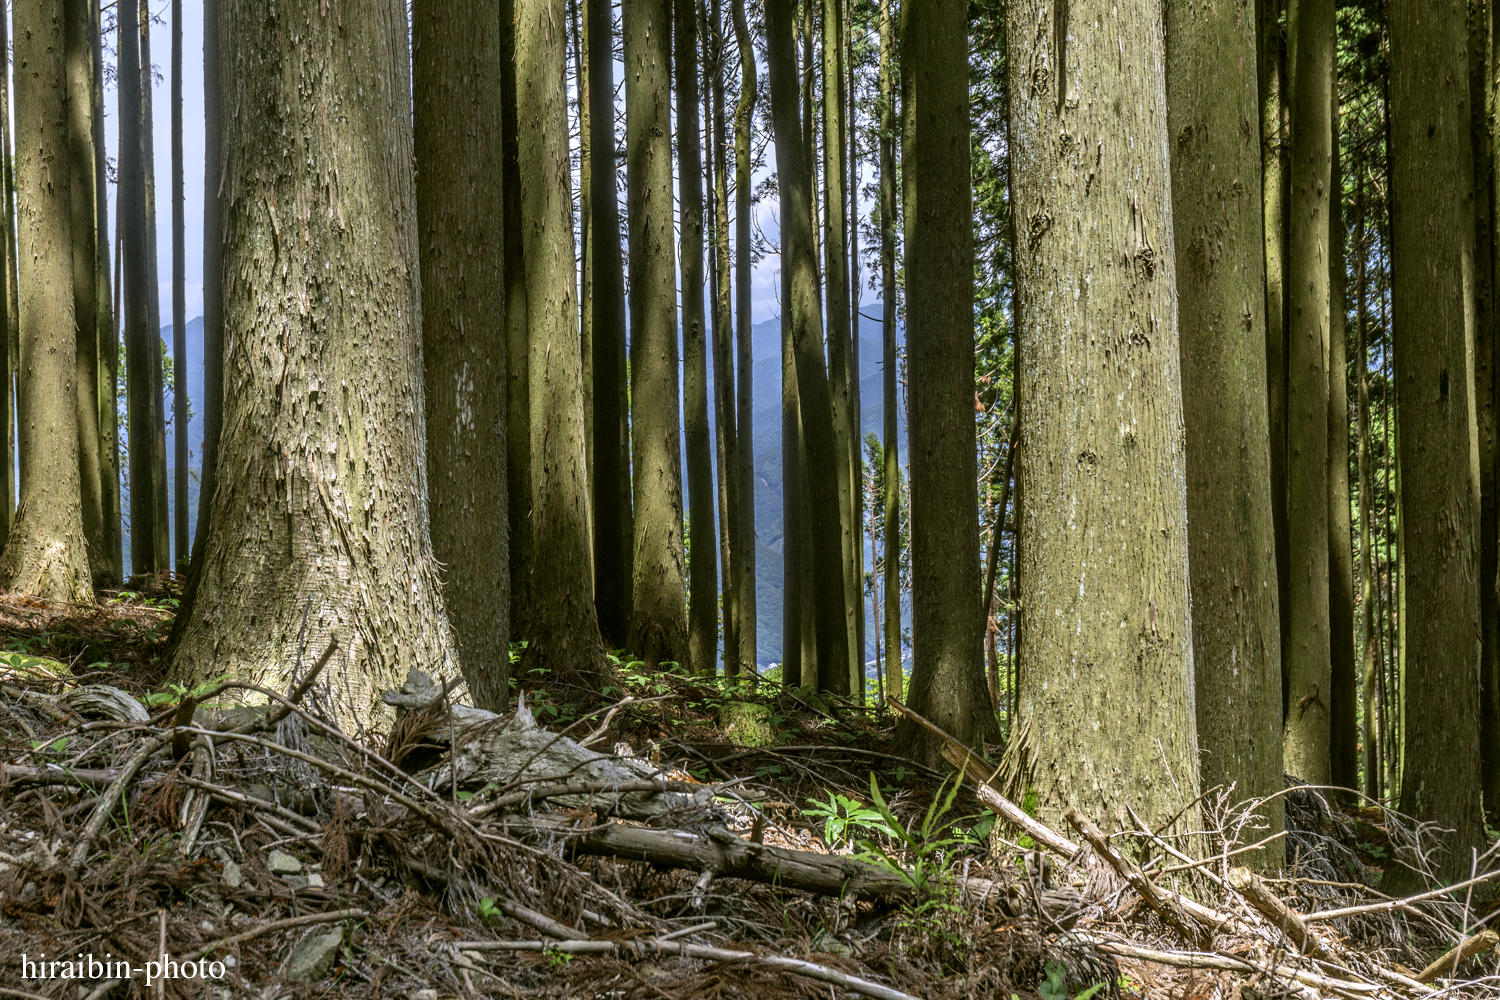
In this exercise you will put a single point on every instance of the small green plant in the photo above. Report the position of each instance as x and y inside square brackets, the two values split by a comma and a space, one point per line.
[1054, 985]
[488, 911]
[841, 816]
[55, 747]
[923, 844]
[557, 958]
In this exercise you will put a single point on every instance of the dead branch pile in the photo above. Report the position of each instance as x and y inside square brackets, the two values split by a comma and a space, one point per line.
[483, 856]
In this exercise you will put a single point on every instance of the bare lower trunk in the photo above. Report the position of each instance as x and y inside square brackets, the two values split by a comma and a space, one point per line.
[46, 553]
[320, 513]
[743, 120]
[457, 138]
[107, 331]
[891, 523]
[179, 308]
[1105, 629]
[1343, 734]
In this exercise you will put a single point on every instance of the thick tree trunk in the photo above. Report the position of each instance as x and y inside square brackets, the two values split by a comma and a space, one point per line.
[320, 511]
[108, 342]
[8, 312]
[1343, 732]
[456, 82]
[1105, 630]
[140, 337]
[947, 679]
[658, 629]
[563, 632]
[1431, 291]
[824, 465]
[179, 308]
[842, 376]
[1217, 220]
[46, 553]
[1306, 647]
[744, 118]
[891, 524]
[614, 526]
[79, 59]
[1489, 578]
[703, 619]
[1274, 152]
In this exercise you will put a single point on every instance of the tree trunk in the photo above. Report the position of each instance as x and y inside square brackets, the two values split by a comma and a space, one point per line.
[891, 525]
[726, 418]
[1306, 648]
[8, 454]
[46, 553]
[159, 484]
[1432, 267]
[1368, 620]
[1274, 191]
[658, 630]
[842, 376]
[179, 306]
[1343, 680]
[456, 83]
[703, 620]
[1489, 398]
[108, 341]
[1105, 630]
[947, 679]
[563, 631]
[826, 467]
[320, 515]
[1217, 219]
[580, 45]
[614, 526]
[517, 337]
[145, 556]
[79, 59]
[744, 118]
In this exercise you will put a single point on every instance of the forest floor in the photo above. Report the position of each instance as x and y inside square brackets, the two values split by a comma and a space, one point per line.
[781, 846]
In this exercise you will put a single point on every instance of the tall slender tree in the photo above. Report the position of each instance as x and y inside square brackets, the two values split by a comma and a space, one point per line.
[562, 629]
[891, 525]
[517, 332]
[179, 306]
[107, 331]
[1307, 649]
[947, 679]
[658, 630]
[1274, 194]
[12, 294]
[703, 619]
[614, 525]
[46, 553]
[1105, 631]
[456, 85]
[318, 535]
[160, 486]
[79, 67]
[744, 120]
[1217, 228]
[825, 466]
[140, 354]
[1432, 266]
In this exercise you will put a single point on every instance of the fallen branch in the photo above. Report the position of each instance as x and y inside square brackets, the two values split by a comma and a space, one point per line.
[1213, 960]
[331, 917]
[111, 795]
[1396, 904]
[1247, 884]
[542, 922]
[1164, 903]
[21, 775]
[660, 945]
[1457, 955]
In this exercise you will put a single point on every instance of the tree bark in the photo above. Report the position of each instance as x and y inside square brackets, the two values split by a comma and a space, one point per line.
[563, 630]
[139, 336]
[1431, 291]
[658, 629]
[108, 341]
[703, 571]
[517, 336]
[1306, 647]
[1218, 225]
[1369, 624]
[744, 118]
[825, 466]
[159, 485]
[1274, 195]
[179, 307]
[456, 83]
[8, 453]
[947, 678]
[842, 376]
[1489, 577]
[614, 526]
[895, 675]
[79, 60]
[46, 553]
[1343, 733]
[320, 513]
[1105, 629]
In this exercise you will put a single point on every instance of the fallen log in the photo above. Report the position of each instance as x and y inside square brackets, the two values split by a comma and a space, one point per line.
[1255, 892]
[1457, 955]
[1165, 904]
[726, 855]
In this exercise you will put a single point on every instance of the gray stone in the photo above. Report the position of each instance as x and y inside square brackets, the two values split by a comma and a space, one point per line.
[314, 955]
[282, 863]
[295, 881]
[315, 881]
[232, 875]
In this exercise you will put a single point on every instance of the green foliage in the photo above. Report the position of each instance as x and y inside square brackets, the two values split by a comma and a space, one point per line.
[1054, 985]
[173, 693]
[841, 816]
[488, 911]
